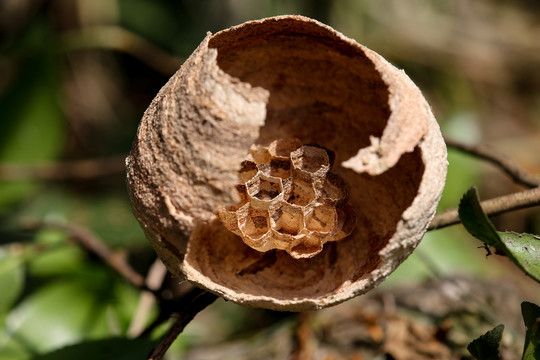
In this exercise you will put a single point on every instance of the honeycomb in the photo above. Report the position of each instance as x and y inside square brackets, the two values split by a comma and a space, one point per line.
[290, 200]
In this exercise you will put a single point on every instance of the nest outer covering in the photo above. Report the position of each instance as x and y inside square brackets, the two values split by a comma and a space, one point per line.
[283, 77]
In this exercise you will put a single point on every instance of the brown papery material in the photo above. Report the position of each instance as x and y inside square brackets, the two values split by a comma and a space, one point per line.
[288, 78]
[289, 200]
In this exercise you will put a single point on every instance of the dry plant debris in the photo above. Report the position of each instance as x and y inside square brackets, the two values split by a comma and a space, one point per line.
[289, 200]
[432, 320]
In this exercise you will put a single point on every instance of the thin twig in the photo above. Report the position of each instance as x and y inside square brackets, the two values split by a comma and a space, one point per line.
[119, 39]
[199, 299]
[78, 169]
[168, 306]
[492, 207]
[305, 340]
[506, 164]
[95, 245]
[154, 280]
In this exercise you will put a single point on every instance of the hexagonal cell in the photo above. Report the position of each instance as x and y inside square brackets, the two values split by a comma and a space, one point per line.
[335, 189]
[308, 160]
[287, 219]
[259, 154]
[280, 240]
[284, 147]
[248, 169]
[306, 249]
[299, 192]
[253, 223]
[264, 187]
[322, 218]
[330, 153]
[280, 168]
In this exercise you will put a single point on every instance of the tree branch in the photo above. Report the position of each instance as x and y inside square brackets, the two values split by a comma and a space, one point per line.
[94, 245]
[506, 164]
[197, 300]
[305, 339]
[119, 39]
[78, 169]
[492, 207]
[154, 280]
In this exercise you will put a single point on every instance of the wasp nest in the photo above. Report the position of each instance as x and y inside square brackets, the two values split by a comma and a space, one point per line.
[290, 200]
[287, 77]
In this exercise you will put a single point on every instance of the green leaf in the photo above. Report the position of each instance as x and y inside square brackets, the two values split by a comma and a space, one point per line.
[108, 214]
[11, 350]
[58, 314]
[11, 281]
[475, 220]
[33, 124]
[123, 307]
[531, 317]
[522, 249]
[112, 348]
[53, 255]
[57, 261]
[486, 347]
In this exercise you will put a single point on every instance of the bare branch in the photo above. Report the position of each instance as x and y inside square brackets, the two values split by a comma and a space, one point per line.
[154, 280]
[197, 300]
[506, 164]
[492, 207]
[305, 340]
[79, 169]
[120, 39]
[95, 245]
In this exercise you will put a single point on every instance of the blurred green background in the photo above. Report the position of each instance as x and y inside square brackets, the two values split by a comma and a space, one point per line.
[77, 75]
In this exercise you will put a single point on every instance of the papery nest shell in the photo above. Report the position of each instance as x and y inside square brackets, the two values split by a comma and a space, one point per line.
[284, 77]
